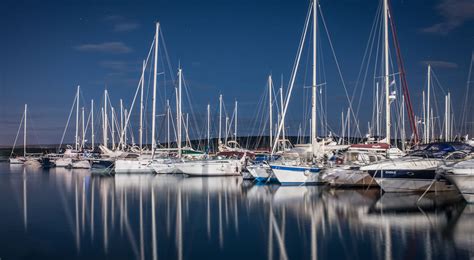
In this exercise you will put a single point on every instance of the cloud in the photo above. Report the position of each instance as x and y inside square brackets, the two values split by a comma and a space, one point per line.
[454, 12]
[121, 24]
[126, 26]
[440, 64]
[105, 47]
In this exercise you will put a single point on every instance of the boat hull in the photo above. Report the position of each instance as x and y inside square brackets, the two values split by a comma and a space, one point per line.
[208, 168]
[295, 175]
[340, 177]
[411, 180]
[133, 166]
[81, 164]
[63, 162]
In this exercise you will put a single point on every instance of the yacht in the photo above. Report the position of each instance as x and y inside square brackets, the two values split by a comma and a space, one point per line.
[417, 171]
[462, 175]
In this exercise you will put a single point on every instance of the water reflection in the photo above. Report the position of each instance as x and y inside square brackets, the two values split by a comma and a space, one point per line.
[173, 217]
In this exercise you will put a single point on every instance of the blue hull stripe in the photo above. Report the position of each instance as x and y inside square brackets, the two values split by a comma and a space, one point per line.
[295, 169]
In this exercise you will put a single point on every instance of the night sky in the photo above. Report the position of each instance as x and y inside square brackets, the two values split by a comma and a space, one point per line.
[48, 47]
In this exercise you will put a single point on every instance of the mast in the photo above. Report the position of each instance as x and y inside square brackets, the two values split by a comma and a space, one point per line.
[235, 125]
[125, 112]
[121, 123]
[282, 119]
[446, 124]
[179, 113]
[77, 118]
[425, 129]
[313, 97]
[220, 119]
[208, 126]
[387, 74]
[83, 132]
[105, 120]
[377, 118]
[24, 132]
[92, 121]
[113, 127]
[226, 129]
[141, 107]
[403, 124]
[168, 114]
[428, 114]
[270, 83]
[153, 119]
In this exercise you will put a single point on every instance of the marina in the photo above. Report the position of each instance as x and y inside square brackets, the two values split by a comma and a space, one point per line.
[325, 165]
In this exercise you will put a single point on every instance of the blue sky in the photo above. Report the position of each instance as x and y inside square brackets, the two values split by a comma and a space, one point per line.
[229, 47]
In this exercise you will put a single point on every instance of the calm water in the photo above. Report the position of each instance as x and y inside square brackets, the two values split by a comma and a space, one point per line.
[64, 214]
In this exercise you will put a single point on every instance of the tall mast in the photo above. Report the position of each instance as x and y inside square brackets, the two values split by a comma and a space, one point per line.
[403, 124]
[105, 120]
[387, 74]
[83, 132]
[92, 125]
[24, 132]
[168, 115]
[113, 127]
[446, 119]
[141, 107]
[270, 83]
[77, 118]
[155, 72]
[125, 112]
[377, 117]
[428, 114]
[208, 126]
[121, 123]
[179, 113]
[425, 129]
[220, 119]
[282, 119]
[235, 125]
[226, 129]
[313, 97]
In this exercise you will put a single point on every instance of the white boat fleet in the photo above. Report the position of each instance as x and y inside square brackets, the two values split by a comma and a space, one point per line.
[427, 166]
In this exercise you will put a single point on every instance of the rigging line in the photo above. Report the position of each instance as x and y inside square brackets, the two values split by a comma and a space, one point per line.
[339, 70]
[67, 123]
[401, 67]
[466, 98]
[17, 133]
[293, 74]
[367, 57]
[136, 92]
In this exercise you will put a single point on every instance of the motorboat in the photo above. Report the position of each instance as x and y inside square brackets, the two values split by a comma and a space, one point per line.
[417, 171]
[462, 175]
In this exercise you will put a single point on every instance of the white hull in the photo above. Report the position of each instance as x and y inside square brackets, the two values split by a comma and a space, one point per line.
[33, 163]
[211, 168]
[463, 177]
[340, 177]
[82, 164]
[18, 160]
[133, 166]
[295, 175]
[260, 172]
[413, 185]
[164, 168]
[63, 162]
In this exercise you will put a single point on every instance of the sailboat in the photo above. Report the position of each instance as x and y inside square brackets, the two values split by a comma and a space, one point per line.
[25, 159]
[296, 167]
[462, 175]
[141, 162]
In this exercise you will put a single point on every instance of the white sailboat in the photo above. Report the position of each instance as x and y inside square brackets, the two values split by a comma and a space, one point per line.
[26, 159]
[303, 172]
[140, 163]
[20, 159]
